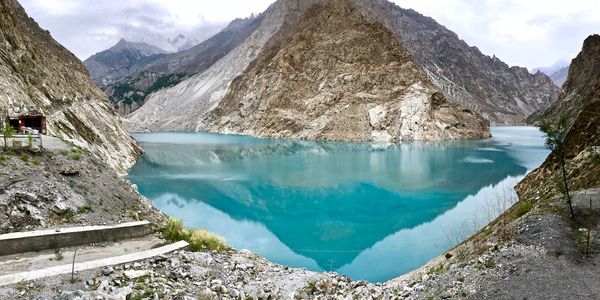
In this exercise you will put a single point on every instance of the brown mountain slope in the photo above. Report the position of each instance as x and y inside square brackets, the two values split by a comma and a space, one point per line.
[503, 94]
[581, 81]
[579, 100]
[38, 74]
[335, 76]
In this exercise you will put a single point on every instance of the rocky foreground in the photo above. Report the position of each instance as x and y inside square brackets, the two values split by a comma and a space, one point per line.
[540, 261]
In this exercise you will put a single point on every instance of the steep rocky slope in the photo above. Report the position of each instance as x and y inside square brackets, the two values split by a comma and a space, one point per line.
[581, 81]
[334, 76]
[183, 106]
[503, 94]
[38, 74]
[139, 78]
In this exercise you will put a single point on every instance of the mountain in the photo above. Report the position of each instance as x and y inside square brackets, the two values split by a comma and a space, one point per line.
[148, 74]
[503, 94]
[580, 84]
[121, 60]
[555, 67]
[580, 101]
[38, 75]
[559, 77]
[328, 77]
[557, 72]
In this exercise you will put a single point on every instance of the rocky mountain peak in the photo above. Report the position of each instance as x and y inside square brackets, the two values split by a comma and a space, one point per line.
[329, 74]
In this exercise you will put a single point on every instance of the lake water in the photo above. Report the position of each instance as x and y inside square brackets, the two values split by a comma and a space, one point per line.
[357, 209]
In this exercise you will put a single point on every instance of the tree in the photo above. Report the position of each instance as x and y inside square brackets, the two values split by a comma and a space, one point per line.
[556, 132]
[7, 133]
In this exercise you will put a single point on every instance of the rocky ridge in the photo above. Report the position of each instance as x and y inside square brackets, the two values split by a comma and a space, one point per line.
[128, 90]
[121, 60]
[39, 75]
[328, 77]
[502, 94]
[581, 83]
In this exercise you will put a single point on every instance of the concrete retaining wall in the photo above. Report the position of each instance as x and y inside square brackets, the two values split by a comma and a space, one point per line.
[20, 242]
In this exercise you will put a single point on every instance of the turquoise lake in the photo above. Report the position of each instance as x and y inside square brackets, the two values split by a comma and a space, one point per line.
[365, 211]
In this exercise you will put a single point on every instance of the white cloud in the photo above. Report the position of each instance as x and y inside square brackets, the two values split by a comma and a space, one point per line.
[527, 33]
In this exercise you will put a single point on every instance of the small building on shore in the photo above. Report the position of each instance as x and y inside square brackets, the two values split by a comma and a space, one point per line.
[28, 123]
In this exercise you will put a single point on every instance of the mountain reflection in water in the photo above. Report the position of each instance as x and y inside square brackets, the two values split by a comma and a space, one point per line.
[360, 210]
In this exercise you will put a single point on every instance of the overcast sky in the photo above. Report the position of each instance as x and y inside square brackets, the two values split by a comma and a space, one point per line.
[527, 33]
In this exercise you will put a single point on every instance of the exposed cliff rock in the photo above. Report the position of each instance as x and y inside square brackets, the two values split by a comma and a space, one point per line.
[335, 76]
[38, 74]
[503, 94]
[584, 76]
[580, 101]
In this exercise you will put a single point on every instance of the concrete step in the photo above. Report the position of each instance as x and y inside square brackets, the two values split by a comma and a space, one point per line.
[31, 261]
[20, 242]
[87, 265]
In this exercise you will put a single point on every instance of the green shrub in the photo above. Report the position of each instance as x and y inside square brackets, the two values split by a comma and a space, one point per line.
[175, 231]
[75, 156]
[24, 157]
[523, 208]
[199, 239]
[84, 209]
[64, 152]
[35, 162]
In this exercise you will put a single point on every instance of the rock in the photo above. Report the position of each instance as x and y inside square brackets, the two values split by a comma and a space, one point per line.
[133, 274]
[106, 271]
[448, 255]
[68, 170]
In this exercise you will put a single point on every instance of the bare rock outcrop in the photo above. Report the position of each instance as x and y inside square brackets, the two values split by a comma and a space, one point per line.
[335, 76]
[583, 78]
[39, 75]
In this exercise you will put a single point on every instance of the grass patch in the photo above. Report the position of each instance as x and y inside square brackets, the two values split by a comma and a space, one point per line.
[437, 270]
[75, 156]
[523, 208]
[84, 209]
[58, 254]
[70, 216]
[24, 157]
[199, 239]
[35, 162]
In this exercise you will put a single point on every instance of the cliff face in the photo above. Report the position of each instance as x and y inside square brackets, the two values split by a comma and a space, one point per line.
[580, 101]
[581, 82]
[335, 76]
[503, 94]
[38, 74]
